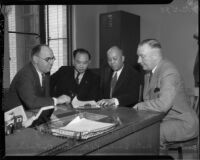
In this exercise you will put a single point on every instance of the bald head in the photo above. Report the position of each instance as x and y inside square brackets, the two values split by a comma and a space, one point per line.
[115, 58]
[42, 58]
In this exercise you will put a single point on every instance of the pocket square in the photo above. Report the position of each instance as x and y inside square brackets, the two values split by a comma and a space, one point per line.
[156, 90]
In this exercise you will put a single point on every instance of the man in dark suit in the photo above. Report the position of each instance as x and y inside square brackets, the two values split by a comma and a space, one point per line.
[119, 82]
[164, 92]
[30, 85]
[76, 80]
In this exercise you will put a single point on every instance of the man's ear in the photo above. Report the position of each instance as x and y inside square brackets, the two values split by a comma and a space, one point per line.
[35, 59]
[123, 58]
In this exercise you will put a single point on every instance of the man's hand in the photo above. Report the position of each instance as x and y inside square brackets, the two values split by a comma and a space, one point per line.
[137, 106]
[106, 102]
[63, 99]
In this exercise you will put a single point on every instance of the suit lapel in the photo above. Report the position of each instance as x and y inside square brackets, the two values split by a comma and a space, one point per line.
[84, 78]
[36, 77]
[148, 86]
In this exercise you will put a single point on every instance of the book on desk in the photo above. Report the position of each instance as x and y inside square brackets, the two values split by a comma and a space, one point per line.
[43, 115]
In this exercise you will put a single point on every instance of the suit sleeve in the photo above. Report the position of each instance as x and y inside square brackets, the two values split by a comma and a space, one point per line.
[169, 80]
[95, 89]
[28, 94]
[130, 95]
[54, 78]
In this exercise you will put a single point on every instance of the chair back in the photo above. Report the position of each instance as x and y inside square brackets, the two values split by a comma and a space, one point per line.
[193, 94]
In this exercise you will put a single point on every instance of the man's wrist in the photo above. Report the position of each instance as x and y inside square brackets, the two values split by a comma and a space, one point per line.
[55, 101]
[116, 101]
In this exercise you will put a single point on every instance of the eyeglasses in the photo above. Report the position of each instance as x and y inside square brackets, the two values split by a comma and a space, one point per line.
[48, 59]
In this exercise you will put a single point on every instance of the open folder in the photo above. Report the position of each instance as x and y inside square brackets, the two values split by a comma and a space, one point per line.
[82, 128]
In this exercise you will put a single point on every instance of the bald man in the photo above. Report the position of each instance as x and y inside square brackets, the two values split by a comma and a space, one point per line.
[30, 85]
[119, 82]
[164, 92]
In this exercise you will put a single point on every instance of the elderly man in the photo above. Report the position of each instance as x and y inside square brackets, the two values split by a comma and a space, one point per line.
[164, 92]
[119, 82]
[30, 85]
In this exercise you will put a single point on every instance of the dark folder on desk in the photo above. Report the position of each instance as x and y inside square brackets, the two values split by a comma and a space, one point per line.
[43, 115]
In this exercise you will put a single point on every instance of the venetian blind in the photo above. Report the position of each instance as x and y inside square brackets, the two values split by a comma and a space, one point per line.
[56, 32]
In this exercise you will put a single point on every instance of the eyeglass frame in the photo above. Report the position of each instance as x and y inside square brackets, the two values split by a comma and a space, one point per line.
[48, 59]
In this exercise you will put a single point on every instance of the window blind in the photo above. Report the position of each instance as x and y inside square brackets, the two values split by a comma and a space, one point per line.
[56, 33]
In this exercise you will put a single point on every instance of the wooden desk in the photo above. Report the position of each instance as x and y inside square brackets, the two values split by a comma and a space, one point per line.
[138, 134]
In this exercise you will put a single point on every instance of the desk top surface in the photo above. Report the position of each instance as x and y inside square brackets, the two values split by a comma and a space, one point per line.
[32, 142]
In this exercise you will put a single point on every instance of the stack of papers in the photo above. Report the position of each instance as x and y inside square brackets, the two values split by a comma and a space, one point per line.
[82, 128]
[77, 104]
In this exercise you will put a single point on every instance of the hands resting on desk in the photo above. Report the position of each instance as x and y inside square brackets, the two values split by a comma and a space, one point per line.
[106, 103]
[63, 99]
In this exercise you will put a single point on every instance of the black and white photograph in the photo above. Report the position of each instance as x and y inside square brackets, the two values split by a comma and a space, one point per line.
[100, 80]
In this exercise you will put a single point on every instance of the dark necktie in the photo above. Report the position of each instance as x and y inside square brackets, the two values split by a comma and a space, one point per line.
[113, 83]
[77, 77]
[43, 82]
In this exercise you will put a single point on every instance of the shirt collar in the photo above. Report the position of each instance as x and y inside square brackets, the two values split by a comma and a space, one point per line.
[39, 74]
[118, 72]
[153, 70]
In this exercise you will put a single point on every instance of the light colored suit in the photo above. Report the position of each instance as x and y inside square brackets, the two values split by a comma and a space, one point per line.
[166, 93]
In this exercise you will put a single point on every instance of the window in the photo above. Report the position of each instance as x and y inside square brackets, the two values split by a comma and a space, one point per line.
[24, 33]
[56, 33]
[12, 43]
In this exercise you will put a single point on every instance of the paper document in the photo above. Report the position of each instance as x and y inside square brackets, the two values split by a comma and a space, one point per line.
[84, 104]
[83, 127]
[17, 111]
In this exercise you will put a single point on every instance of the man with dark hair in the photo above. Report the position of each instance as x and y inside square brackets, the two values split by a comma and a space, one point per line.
[164, 92]
[119, 81]
[30, 86]
[76, 80]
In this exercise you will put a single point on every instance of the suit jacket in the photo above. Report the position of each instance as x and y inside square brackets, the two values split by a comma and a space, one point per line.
[26, 90]
[127, 87]
[63, 82]
[166, 93]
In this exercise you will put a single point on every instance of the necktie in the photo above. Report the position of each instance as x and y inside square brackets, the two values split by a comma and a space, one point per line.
[113, 83]
[150, 76]
[43, 82]
[77, 77]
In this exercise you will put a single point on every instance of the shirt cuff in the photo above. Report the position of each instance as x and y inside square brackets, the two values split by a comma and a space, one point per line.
[54, 101]
[116, 101]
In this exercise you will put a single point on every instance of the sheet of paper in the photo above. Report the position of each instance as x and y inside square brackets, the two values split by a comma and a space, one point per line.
[82, 128]
[77, 103]
[86, 125]
[19, 110]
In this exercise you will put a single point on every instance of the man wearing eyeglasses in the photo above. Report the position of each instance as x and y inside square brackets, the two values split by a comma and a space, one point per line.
[30, 86]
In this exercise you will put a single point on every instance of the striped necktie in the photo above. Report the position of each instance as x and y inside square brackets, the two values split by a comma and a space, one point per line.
[113, 83]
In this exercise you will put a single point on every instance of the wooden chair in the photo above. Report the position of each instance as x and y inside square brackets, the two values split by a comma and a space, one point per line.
[193, 95]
